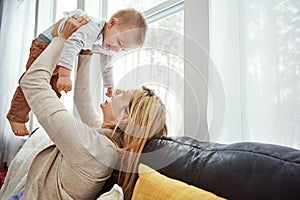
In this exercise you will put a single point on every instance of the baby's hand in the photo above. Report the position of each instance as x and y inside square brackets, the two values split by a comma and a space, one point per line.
[109, 92]
[64, 81]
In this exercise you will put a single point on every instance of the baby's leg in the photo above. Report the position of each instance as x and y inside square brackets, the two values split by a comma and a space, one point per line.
[19, 110]
[18, 113]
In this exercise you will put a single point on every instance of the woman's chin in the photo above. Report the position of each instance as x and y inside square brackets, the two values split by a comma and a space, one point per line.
[109, 124]
[104, 104]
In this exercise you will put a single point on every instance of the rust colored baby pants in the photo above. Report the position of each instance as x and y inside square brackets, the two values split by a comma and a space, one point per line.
[19, 108]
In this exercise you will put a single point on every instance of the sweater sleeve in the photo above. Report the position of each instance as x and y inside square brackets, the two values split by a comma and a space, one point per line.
[60, 125]
[106, 70]
[82, 93]
[83, 38]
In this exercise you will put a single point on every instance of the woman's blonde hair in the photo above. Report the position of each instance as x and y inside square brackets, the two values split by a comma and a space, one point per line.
[133, 19]
[147, 119]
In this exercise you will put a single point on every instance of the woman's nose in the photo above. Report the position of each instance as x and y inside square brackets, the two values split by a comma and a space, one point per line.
[117, 91]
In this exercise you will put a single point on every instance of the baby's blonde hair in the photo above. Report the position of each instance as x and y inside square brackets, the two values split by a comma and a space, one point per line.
[147, 119]
[134, 20]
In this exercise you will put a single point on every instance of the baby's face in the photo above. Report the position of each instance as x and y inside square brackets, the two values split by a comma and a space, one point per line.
[118, 38]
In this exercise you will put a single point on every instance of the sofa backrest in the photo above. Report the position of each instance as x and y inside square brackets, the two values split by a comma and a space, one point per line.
[240, 171]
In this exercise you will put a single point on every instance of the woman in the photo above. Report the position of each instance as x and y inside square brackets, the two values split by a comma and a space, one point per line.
[85, 151]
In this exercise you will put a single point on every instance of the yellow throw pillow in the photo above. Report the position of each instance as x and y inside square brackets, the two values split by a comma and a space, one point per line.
[154, 186]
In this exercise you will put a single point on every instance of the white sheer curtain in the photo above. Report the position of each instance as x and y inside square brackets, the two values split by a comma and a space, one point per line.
[17, 31]
[255, 45]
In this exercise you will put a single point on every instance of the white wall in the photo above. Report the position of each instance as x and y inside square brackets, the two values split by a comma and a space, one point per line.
[196, 68]
[204, 101]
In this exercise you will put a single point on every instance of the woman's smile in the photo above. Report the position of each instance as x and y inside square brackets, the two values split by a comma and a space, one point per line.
[114, 107]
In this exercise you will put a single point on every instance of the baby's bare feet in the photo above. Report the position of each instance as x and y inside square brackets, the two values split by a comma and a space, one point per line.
[19, 129]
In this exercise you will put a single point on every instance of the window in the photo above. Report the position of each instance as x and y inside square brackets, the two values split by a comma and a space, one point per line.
[159, 63]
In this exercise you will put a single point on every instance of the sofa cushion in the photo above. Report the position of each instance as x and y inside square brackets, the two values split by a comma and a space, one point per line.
[153, 185]
[245, 170]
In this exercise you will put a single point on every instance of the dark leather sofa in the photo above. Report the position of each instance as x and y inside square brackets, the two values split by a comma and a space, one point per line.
[238, 171]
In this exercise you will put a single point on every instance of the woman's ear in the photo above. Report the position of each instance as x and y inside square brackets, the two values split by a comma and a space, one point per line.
[124, 121]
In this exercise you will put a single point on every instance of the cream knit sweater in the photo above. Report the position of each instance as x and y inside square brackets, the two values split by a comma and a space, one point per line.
[81, 160]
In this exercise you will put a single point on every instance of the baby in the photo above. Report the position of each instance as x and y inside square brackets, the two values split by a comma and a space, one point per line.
[95, 36]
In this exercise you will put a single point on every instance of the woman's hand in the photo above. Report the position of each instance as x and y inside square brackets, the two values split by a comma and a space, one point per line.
[72, 24]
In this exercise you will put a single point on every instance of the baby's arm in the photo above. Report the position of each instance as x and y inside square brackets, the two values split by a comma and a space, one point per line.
[64, 81]
[85, 36]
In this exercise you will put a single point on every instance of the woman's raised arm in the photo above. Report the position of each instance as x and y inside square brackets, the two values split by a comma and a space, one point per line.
[52, 115]
[82, 94]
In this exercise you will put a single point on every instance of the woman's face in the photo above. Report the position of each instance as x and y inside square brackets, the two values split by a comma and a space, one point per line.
[114, 108]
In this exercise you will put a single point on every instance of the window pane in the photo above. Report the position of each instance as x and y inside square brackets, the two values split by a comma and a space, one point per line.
[93, 8]
[141, 6]
[158, 65]
[173, 22]
[63, 6]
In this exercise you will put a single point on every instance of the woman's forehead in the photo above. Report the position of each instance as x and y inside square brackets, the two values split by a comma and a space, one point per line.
[131, 93]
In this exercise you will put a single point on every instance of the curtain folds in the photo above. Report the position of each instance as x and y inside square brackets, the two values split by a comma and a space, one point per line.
[17, 31]
[256, 48]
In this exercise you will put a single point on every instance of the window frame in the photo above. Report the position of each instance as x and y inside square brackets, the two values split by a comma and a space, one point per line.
[163, 10]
